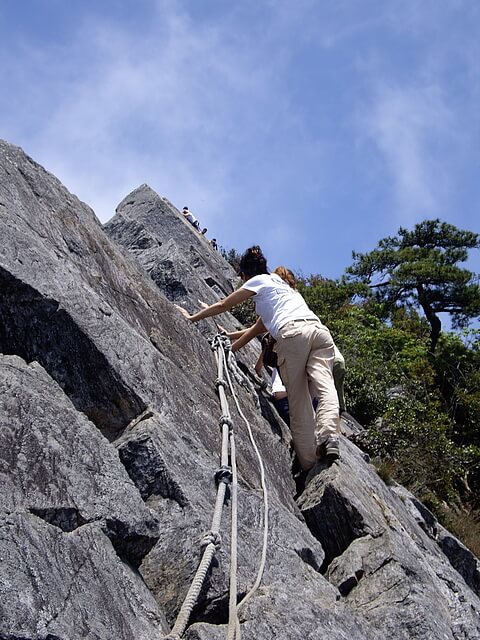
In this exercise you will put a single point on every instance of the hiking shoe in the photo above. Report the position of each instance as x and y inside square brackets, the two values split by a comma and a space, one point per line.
[330, 449]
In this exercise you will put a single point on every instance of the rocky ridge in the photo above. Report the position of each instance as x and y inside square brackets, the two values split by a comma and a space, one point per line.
[109, 440]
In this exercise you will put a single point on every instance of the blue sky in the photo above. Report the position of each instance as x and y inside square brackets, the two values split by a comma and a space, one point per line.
[312, 128]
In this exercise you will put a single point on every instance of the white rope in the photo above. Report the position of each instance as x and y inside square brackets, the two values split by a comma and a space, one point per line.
[197, 583]
[211, 540]
[265, 498]
[233, 622]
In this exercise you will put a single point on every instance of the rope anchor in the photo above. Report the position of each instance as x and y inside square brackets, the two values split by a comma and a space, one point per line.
[219, 382]
[223, 474]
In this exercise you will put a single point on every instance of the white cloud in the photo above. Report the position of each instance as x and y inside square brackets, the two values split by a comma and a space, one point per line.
[411, 127]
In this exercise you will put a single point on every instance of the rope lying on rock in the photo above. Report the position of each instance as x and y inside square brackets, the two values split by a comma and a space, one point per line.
[265, 502]
[225, 475]
[239, 376]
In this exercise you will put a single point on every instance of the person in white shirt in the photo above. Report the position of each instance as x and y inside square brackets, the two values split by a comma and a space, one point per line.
[305, 354]
[188, 215]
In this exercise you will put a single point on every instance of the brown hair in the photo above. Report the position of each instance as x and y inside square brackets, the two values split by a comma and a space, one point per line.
[287, 275]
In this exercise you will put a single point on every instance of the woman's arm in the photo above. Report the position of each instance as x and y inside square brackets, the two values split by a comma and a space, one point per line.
[259, 364]
[250, 333]
[234, 335]
[237, 297]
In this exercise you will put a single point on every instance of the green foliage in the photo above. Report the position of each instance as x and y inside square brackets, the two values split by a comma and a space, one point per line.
[245, 312]
[457, 366]
[232, 256]
[327, 297]
[413, 434]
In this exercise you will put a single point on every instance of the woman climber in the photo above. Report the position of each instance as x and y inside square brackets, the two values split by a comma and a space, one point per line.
[305, 354]
[280, 399]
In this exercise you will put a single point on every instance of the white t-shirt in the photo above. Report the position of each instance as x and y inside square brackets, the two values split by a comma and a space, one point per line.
[276, 302]
[189, 216]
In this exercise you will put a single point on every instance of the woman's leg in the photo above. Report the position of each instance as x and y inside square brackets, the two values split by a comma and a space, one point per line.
[319, 370]
[338, 378]
[293, 349]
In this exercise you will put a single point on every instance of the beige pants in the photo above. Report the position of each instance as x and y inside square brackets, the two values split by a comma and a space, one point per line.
[305, 358]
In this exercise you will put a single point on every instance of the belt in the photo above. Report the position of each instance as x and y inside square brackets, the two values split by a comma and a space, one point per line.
[298, 320]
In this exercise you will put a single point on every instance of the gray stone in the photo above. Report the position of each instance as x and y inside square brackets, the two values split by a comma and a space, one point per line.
[69, 585]
[461, 558]
[421, 514]
[164, 242]
[63, 470]
[383, 563]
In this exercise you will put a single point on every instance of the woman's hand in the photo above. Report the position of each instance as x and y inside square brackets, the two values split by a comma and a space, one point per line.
[183, 311]
[221, 329]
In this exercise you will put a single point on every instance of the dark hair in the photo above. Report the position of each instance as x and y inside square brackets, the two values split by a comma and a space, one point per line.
[253, 262]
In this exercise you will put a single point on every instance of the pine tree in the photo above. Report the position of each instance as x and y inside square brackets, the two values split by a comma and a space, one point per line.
[421, 268]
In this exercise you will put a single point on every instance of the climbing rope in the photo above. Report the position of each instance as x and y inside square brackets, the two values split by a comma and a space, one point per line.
[220, 344]
[225, 475]
[263, 560]
[240, 377]
[211, 541]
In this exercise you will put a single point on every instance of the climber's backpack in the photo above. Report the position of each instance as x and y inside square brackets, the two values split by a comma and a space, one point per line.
[269, 356]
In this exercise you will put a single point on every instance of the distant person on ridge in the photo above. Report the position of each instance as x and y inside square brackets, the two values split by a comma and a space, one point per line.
[213, 243]
[191, 218]
[305, 354]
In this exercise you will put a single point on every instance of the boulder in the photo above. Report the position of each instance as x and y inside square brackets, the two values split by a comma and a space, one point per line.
[381, 560]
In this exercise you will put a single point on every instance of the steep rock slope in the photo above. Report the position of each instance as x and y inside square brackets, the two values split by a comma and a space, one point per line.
[110, 439]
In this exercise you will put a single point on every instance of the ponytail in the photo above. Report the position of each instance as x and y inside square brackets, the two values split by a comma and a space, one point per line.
[287, 275]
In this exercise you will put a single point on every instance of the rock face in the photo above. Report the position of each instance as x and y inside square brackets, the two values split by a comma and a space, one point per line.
[109, 441]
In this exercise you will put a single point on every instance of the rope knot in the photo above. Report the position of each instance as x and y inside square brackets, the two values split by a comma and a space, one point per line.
[211, 537]
[225, 342]
[219, 382]
[220, 340]
[223, 474]
[225, 420]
